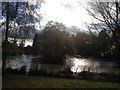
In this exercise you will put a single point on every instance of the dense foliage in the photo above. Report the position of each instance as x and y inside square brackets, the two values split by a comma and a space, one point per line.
[89, 45]
[53, 44]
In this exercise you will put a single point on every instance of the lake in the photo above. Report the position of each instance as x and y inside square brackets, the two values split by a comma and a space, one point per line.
[75, 64]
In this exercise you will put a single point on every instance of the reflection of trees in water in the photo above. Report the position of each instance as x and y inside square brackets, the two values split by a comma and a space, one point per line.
[36, 65]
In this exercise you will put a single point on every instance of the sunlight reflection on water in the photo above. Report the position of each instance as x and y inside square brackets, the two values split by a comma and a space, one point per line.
[91, 65]
[76, 64]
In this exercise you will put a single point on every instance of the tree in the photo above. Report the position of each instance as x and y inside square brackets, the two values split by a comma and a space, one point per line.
[21, 13]
[23, 19]
[8, 15]
[108, 16]
[85, 44]
[103, 41]
[95, 45]
[53, 44]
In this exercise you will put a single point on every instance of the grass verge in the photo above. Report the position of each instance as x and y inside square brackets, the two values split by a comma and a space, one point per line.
[24, 81]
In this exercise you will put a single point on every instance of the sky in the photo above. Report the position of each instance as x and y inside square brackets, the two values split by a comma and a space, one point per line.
[68, 12]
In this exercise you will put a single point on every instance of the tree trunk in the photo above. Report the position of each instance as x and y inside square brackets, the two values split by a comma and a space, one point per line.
[4, 56]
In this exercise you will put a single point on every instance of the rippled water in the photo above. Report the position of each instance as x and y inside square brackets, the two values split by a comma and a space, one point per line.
[76, 64]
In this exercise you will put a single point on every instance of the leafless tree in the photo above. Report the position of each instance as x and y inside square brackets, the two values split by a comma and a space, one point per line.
[108, 16]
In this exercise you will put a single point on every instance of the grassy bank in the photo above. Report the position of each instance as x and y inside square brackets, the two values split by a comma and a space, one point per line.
[22, 81]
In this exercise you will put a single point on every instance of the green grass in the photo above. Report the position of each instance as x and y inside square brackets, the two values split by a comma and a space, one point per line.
[22, 81]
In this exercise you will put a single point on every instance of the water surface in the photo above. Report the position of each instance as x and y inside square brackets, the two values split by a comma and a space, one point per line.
[76, 64]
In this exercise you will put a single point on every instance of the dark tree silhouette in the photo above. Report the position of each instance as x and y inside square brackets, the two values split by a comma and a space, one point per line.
[53, 44]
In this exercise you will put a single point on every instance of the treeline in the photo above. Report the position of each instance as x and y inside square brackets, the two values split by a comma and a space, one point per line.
[54, 43]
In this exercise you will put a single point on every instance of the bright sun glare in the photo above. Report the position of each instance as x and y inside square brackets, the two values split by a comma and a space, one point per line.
[68, 12]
